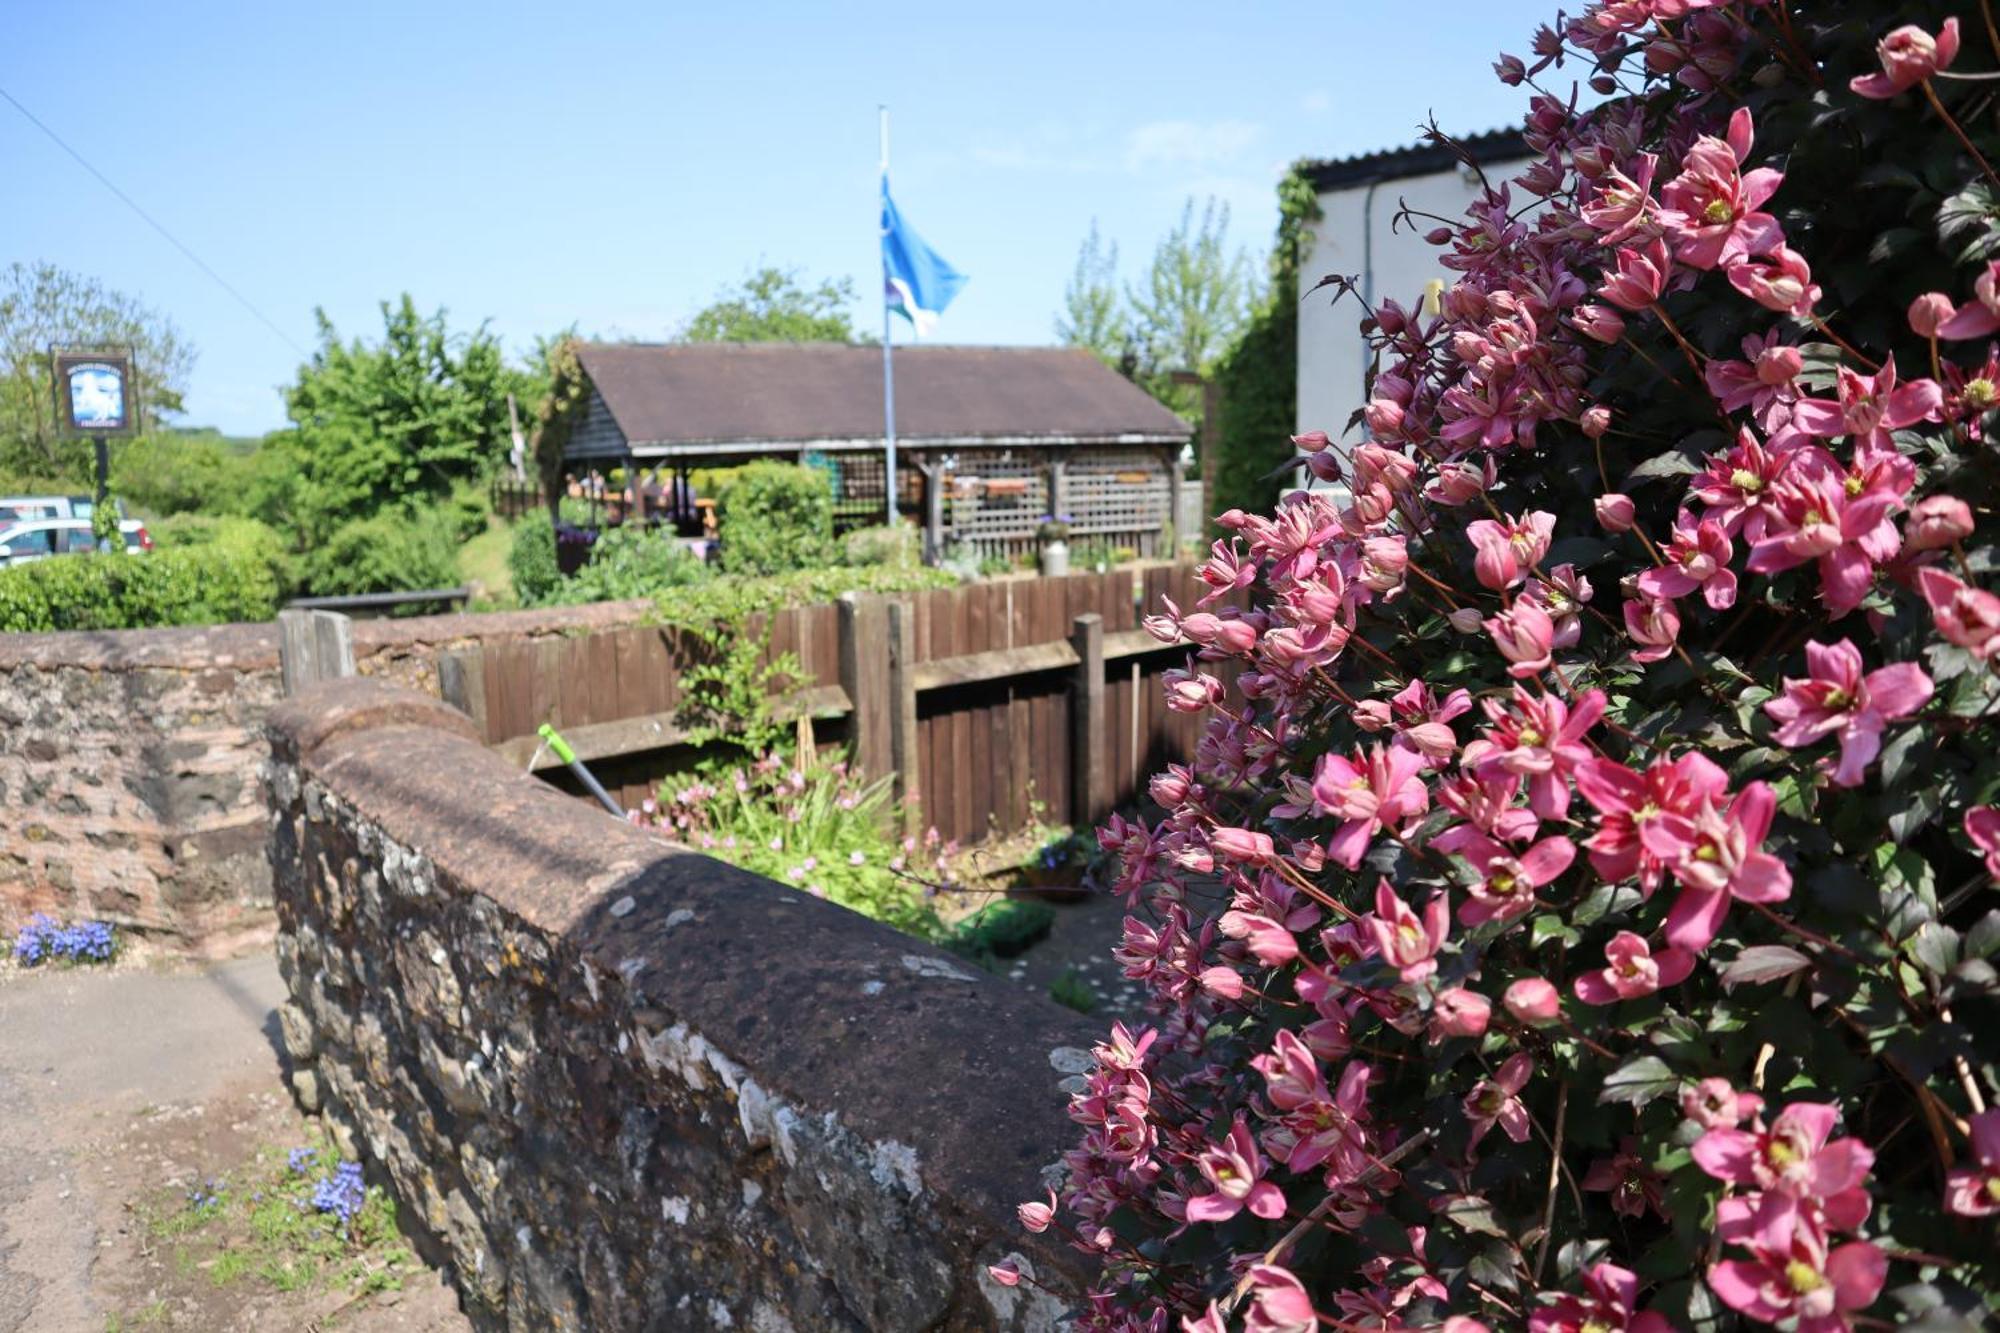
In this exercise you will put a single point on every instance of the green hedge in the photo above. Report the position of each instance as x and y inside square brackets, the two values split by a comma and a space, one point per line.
[776, 517]
[199, 585]
[531, 559]
[396, 550]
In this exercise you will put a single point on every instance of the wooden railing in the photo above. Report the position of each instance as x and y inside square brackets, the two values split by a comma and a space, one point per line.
[993, 706]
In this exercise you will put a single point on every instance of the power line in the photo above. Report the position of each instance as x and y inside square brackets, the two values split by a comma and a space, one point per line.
[154, 223]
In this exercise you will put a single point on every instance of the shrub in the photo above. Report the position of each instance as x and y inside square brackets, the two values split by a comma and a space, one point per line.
[1579, 914]
[774, 518]
[246, 536]
[531, 559]
[727, 602]
[814, 826]
[396, 550]
[631, 562]
[196, 586]
[899, 545]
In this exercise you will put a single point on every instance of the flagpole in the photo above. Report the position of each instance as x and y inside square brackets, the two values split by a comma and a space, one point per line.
[888, 360]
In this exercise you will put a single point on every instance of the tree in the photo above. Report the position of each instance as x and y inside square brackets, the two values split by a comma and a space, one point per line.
[775, 305]
[402, 420]
[1195, 300]
[42, 305]
[1093, 314]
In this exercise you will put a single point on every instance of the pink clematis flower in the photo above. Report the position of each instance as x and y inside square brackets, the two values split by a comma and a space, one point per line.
[1507, 883]
[1713, 208]
[1937, 521]
[1540, 738]
[1563, 596]
[1503, 552]
[1795, 1161]
[1640, 276]
[1278, 1303]
[1497, 1101]
[1423, 721]
[1726, 860]
[1459, 1012]
[1646, 820]
[1966, 616]
[1624, 207]
[1234, 1169]
[1980, 316]
[1379, 789]
[1783, 283]
[1982, 825]
[1525, 636]
[1037, 1217]
[1764, 383]
[1605, 1306]
[1633, 970]
[1697, 559]
[1615, 512]
[1847, 532]
[1713, 1104]
[1534, 1001]
[1837, 699]
[1654, 624]
[1800, 1278]
[1869, 407]
[1737, 486]
[1974, 1191]
[1404, 939]
[1909, 56]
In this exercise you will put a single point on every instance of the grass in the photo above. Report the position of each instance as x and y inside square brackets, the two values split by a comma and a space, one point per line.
[259, 1224]
[483, 561]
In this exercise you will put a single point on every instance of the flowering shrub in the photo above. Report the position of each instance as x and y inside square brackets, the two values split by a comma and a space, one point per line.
[1580, 912]
[44, 939]
[813, 825]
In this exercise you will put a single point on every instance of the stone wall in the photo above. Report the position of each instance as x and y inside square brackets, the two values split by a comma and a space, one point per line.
[128, 764]
[623, 1086]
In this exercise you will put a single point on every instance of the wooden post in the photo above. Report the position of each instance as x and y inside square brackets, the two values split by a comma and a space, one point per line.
[1058, 486]
[462, 684]
[903, 716]
[1176, 502]
[933, 509]
[864, 674]
[313, 646]
[1089, 792]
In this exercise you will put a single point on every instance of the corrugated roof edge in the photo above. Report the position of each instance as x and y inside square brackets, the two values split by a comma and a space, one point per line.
[1414, 160]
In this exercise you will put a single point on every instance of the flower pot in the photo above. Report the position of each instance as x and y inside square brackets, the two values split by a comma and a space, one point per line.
[1055, 559]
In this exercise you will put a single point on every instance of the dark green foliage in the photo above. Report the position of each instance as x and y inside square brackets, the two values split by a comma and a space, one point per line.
[775, 305]
[776, 517]
[628, 562]
[198, 585]
[1002, 929]
[531, 559]
[1258, 375]
[396, 550]
[407, 419]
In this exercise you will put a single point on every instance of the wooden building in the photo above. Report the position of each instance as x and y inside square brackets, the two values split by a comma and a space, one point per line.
[989, 439]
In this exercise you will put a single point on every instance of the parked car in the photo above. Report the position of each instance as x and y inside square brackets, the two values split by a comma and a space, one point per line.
[15, 508]
[33, 539]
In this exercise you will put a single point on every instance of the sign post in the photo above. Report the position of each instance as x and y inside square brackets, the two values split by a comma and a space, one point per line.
[96, 396]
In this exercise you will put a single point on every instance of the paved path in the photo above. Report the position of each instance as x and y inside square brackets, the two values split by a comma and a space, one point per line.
[87, 1055]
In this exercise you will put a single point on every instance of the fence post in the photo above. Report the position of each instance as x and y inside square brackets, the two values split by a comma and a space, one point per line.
[864, 674]
[1089, 793]
[313, 646]
[903, 715]
[462, 683]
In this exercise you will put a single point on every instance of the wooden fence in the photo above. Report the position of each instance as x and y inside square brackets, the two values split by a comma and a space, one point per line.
[992, 705]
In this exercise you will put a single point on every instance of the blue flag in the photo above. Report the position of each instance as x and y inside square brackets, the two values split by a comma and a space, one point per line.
[917, 282]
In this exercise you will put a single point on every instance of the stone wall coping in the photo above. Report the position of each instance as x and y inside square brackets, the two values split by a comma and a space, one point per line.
[828, 1012]
[255, 646]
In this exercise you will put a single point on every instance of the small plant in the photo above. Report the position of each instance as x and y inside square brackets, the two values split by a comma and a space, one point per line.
[1054, 527]
[1071, 991]
[44, 939]
[736, 697]
[1002, 930]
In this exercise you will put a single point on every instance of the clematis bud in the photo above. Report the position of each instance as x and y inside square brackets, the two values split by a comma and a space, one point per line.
[1037, 1216]
[1438, 236]
[1599, 323]
[1929, 312]
[1603, 85]
[1007, 1274]
[1909, 56]
[1384, 416]
[1534, 1001]
[1225, 982]
[1466, 620]
[1459, 1012]
[1169, 787]
[1596, 420]
[1937, 521]
[1455, 484]
[1615, 512]
[1640, 277]
[1311, 442]
[1524, 635]
[1511, 70]
[1654, 624]
[1324, 465]
[1242, 844]
[1189, 692]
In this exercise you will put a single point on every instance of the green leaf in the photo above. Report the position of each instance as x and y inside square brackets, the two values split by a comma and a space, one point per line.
[1665, 467]
[1472, 1213]
[1934, 948]
[1761, 963]
[1639, 1081]
[1548, 926]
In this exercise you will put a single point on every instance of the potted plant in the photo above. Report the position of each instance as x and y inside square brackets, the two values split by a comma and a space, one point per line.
[1054, 535]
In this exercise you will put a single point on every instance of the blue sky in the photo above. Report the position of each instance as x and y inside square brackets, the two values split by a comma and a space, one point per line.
[612, 166]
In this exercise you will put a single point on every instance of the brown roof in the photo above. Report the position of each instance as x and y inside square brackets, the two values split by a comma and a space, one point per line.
[747, 394]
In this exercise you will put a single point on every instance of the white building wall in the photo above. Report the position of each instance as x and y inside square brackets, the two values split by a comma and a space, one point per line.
[1331, 348]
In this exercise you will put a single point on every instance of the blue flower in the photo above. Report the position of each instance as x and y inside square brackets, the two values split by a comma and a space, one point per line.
[341, 1193]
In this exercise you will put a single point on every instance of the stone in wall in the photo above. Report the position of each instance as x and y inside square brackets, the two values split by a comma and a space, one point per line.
[622, 1086]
